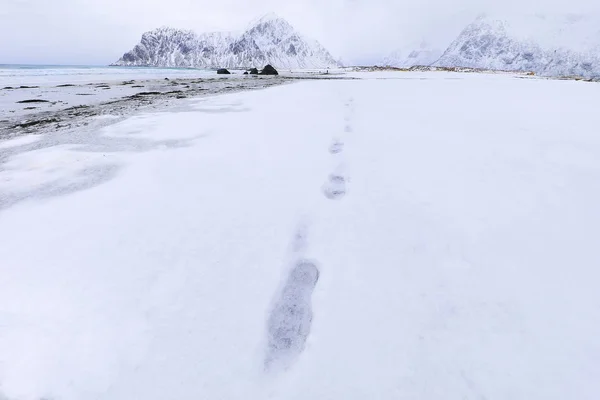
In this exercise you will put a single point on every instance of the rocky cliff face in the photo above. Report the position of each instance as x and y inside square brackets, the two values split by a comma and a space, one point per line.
[270, 40]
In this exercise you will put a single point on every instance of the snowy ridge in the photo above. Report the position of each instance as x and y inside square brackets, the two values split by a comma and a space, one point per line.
[268, 40]
[409, 56]
[547, 45]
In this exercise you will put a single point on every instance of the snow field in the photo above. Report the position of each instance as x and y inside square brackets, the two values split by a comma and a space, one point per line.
[453, 227]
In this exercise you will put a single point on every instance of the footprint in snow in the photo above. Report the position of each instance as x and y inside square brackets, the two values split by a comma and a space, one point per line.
[335, 188]
[290, 320]
[336, 147]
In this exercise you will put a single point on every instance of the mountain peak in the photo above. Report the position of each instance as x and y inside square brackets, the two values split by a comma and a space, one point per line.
[562, 44]
[167, 30]
[267, 18]
[271, 25]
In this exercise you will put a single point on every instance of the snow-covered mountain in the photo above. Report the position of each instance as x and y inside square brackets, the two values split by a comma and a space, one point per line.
[421, 54]
[547, 45]
[269, 40]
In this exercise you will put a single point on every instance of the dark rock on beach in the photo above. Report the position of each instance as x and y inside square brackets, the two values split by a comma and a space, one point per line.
[32, 101]
[269, 70]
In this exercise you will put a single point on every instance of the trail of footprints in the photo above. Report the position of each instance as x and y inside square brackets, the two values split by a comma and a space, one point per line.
[335, 186]
[290, 319]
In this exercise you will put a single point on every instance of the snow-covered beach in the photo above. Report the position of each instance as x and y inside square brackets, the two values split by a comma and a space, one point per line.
[435, 234]
[59, 99]
[54, 99]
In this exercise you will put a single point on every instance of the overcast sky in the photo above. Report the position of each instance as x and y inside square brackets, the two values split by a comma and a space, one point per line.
[98, 32]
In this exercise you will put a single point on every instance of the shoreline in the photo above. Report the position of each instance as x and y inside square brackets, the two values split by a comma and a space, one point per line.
[38, 110]
[72, 138]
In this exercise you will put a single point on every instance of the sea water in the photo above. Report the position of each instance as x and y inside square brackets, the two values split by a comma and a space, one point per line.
[40, 75]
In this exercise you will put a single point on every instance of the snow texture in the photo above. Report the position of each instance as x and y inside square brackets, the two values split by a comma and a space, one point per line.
[269, 40]
[563, 45]
[461, 263]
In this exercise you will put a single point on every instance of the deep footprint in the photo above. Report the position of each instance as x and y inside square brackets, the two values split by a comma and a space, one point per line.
[291, 318]
[335, 188]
